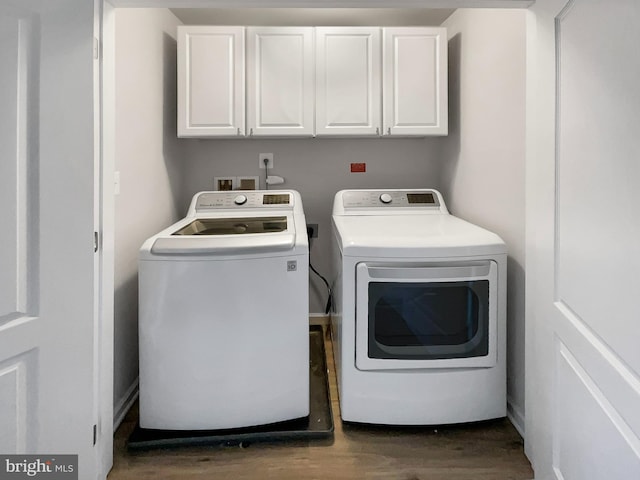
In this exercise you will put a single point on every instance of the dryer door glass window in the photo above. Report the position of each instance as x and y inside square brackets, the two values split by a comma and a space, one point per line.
[430, 320]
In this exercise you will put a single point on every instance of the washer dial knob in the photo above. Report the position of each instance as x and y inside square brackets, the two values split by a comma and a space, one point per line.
[240, 200]
[385, 198]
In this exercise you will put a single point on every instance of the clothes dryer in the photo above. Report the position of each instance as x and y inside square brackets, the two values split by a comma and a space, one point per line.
[419, 311]
[223, 323]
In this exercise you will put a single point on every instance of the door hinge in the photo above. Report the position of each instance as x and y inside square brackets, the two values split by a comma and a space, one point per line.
[96, 48]
[95, 434]
[96, 241]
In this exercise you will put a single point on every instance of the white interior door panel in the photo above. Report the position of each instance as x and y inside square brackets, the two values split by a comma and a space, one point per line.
[48, 268]
[583, 389]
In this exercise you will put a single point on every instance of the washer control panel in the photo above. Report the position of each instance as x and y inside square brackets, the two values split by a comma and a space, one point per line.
[246, 199]
[390, 198]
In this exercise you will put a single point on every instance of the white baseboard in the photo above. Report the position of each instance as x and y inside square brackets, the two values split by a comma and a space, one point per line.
[125, 403]
[516, 416]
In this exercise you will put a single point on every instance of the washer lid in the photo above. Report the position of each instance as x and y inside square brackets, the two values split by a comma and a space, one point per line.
[233, 226]
[414, 235]
[224, 235]
[222, 245]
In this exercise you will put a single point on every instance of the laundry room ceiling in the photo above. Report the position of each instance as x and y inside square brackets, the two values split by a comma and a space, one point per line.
[314, 16]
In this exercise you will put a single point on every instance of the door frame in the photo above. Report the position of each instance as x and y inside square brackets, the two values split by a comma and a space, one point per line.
[541, 143]
[104, 107]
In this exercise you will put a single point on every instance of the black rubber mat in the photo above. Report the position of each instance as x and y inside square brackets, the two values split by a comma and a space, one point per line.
[318, 425]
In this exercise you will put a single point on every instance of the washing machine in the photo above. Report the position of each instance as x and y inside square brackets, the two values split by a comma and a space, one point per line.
[223, 314]
[418, 323]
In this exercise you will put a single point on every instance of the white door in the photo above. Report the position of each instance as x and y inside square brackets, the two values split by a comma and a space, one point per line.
[210, 81]
[348, 81]
[280, 81]
[415, 98]
[583, 257]
[48, 343]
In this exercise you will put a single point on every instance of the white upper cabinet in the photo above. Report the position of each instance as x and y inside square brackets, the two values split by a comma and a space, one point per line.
[415, 81]
[348, 81]
[211, 81]
[280, 93]
[305, 81]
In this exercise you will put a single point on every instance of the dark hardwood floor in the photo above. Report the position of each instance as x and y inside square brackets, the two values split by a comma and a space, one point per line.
[486, 451]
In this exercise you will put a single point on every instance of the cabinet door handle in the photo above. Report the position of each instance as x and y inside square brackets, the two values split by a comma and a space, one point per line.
[238, 132]
[389, 131]
[251, 132]
[378, 131]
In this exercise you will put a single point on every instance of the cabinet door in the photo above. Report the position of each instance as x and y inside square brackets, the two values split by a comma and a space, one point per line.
[415, 81]
[211, 81]
[280, 81]
[348, 81]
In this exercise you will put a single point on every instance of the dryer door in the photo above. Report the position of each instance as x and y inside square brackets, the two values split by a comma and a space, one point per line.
[413, 316]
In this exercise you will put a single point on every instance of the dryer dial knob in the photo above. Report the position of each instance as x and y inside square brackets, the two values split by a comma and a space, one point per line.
[385, 198]
[240, 200]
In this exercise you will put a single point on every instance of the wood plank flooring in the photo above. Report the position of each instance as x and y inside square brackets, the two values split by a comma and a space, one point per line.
[486, 451]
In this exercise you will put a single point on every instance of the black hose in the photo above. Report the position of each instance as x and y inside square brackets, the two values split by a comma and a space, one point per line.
[327, 307]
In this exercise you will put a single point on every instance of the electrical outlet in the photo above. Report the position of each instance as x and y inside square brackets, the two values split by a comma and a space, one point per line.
[312, 229]
[250, 182]
[224, 183]
[261, 158]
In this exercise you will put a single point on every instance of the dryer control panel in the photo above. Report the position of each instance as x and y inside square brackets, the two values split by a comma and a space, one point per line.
[390, 198]
[375, 202]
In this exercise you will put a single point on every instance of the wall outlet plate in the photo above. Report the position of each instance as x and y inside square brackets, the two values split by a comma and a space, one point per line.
[247, 182]
[268, 156]
[224, 183]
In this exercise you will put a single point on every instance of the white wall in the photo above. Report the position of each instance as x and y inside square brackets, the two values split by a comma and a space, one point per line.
[149, 159]
[317, 168]
[484, 155]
